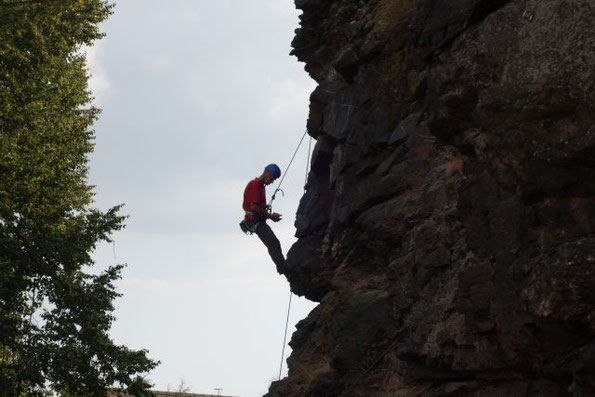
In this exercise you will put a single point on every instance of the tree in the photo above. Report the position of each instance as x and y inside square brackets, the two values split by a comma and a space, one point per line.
[181, 388]
[54, 314]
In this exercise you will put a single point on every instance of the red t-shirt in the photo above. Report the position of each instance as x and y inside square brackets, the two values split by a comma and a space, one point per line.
[254, 193]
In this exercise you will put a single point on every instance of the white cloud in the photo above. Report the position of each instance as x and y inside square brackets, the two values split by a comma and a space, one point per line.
[99, 83]
[138, 287]
[187, 204]
[187, 18]
[204, 92]
[206, 96]
[284, 8]
[275, 100]
[157, 64]
[288, 99]
[207, 104]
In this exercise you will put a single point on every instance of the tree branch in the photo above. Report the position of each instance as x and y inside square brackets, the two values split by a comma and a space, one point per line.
[24, 2]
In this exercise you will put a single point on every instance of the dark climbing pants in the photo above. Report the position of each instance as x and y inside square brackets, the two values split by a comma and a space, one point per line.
[266, 235]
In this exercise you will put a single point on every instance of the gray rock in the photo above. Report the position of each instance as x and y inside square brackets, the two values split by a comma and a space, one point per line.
[447, 226]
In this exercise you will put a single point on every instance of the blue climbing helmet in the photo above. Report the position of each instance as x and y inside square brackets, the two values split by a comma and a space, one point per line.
[274, 170]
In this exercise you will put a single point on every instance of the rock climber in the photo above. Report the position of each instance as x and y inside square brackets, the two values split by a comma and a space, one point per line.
[257, 213]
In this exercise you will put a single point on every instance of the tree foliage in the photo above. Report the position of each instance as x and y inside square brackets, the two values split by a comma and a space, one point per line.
[54, 313]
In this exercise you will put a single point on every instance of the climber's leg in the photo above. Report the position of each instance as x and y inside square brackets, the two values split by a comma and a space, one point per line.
[266, 235]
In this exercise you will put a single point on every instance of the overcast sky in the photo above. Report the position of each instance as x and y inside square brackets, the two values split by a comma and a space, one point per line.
[197, 97]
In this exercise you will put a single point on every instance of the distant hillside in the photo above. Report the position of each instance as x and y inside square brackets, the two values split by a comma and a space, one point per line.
[156, 393]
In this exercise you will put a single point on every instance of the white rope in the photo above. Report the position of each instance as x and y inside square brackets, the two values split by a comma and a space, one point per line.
[285, 335]
[291, 293]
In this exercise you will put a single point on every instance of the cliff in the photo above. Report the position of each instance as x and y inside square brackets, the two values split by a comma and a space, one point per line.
[448, 227]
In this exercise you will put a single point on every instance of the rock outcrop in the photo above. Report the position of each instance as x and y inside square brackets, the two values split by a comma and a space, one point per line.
[448, 227]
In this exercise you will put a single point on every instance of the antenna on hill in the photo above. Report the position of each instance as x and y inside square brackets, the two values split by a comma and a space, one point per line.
[218, 390]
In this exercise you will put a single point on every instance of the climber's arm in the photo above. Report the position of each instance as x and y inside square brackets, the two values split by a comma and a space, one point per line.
[258, 210]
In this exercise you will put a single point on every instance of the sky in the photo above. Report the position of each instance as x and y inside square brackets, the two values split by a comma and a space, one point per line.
[197, 96]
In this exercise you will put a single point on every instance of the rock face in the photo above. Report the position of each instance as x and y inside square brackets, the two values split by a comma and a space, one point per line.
[448, 227]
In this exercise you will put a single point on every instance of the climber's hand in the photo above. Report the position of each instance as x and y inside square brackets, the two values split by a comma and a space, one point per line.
[275, 217]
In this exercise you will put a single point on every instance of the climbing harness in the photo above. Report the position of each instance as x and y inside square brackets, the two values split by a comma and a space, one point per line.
[270, 205]
[250, 229]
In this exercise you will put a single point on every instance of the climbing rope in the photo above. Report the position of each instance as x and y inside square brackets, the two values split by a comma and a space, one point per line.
[308, 162]
[278, 189]
[285, 335]
[270, 204]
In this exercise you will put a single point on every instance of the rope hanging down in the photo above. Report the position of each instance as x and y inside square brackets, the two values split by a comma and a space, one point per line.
[285, 335]
[270, 203]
